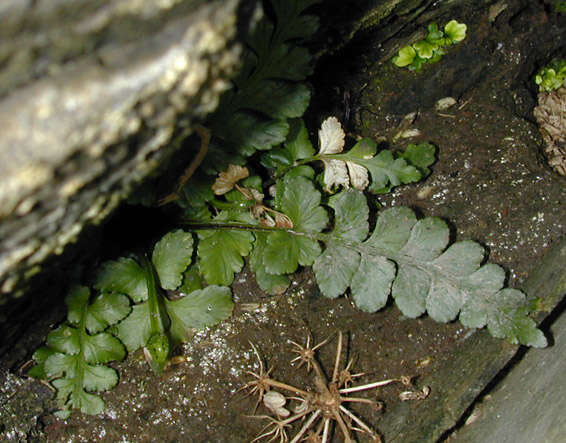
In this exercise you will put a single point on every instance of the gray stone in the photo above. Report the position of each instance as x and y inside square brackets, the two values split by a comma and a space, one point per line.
[528, 406]
[93, 97]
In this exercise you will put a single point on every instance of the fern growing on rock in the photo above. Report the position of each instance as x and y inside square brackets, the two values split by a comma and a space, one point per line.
[264, 194]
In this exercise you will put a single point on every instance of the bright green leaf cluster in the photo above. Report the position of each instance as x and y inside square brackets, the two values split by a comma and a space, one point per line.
[551, 77]
[432, 47]
[560, 6]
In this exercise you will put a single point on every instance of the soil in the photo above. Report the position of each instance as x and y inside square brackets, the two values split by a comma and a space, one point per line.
[490, 183]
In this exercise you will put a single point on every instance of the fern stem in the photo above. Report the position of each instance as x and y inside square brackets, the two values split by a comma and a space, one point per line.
[236, 226]
[203, 226]
[79, 371]
[152, 299]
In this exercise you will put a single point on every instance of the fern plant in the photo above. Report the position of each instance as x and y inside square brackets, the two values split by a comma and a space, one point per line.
[409, 259]
[269, 90]
[273, 212]
[131, 311]
[76, 351]
[157, 323]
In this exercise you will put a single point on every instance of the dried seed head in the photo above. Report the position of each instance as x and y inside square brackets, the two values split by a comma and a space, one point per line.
[275, 402]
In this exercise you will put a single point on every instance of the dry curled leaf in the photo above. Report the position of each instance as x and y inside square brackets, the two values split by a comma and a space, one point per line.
[275, 402]
[358, 176]
[227, 179]
[337, 172]
[331, 139]
[551, 118]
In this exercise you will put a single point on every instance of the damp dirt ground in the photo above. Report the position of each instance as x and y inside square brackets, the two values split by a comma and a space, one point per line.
[490, 183]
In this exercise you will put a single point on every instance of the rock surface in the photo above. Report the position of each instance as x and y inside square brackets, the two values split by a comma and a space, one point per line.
[93, 97]
[528, 404]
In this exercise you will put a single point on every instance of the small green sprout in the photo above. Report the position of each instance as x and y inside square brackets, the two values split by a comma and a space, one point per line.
[424, 49]
[552, 76]
[432, 47]
[455, 32]
[435, 35]
[405, 57]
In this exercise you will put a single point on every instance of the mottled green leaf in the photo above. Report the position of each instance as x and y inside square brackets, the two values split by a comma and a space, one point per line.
[410, 290]
[134, 331]
[350, 215]
[428, 239]
[220, 253]
[335, 267]
[445, 299]
[300, 201]
[460, 259]
[508, 319]
[125, 276]
[198, 309]
[102, 348]
[371, 283]
[107, 309]
[489, 279]
[65, 339]
[392, 230]
[171, 256]
[409, 259]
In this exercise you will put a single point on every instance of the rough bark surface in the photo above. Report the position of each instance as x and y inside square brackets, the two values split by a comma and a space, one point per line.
[93, 96]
